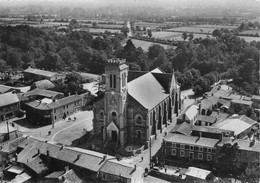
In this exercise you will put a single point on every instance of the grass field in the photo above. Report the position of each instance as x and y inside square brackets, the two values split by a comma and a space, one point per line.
[230, 27]
[249, 39]
[103, 30]
[193, 29]
[251, 32]
[145, 44]
[175, 35]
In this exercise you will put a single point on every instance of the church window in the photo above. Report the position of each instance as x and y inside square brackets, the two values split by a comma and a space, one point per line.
[139, 134]
[114, 115]
[111, 80]
[114, 81]
[138, 119]
[101, 116]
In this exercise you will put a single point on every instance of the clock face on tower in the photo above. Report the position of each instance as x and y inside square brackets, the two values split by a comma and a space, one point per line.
[113, 100]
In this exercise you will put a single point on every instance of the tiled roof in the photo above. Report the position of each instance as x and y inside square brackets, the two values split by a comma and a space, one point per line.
[208, 119]
[238, 124]
[43, 84]
[54, 175]
[11, 145]
[219, 115]
[191, 112]
[40, 72]
[256, 97]
[183, 128]
[243, 102]
[191, 140]
[147, 91]
[208, 129]
[72, 177]
[209, 102]
[114, 167]
[57, 103]
[37, 165]
[222, 101]
[4, 88]
[243, 144]
[41, 92]
[8, 98]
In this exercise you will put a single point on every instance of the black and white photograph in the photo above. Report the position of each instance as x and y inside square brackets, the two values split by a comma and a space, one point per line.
[129, 91]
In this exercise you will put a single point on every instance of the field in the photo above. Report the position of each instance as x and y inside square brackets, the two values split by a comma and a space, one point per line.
[145, 44]
[250, 32]
[103, 30]
[193, 29]
[230, 27]
[249, 39]
[175, 35]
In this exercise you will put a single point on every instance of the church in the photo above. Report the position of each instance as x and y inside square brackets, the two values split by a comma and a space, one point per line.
[136, 106]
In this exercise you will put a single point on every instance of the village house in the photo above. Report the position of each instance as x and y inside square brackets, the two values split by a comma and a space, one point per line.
[7, 89]
[48, 111]
[189, 115]
[9, 106]
[37, 74]
[44, 161]
[136, 105]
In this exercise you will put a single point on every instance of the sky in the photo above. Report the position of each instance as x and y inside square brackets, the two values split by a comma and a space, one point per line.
[133, 2]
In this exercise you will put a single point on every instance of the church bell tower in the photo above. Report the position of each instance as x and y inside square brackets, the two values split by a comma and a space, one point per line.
[116, 72]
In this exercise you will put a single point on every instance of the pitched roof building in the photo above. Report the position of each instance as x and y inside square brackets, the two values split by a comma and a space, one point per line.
[136, 105]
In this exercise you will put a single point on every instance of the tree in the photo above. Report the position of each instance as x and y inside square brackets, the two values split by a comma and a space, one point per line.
[216, 33]
[191, 36]
[149, 32]
[184, 35]
[134, 67]
[94, 24]
[125, 31]
[227, 159]
[73, 24]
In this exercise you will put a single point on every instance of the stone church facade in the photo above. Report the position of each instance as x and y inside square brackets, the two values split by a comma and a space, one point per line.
[136, 106]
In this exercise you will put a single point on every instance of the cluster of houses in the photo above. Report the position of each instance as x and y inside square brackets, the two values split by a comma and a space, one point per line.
[35, 160]
[204, 127]
[41, 106]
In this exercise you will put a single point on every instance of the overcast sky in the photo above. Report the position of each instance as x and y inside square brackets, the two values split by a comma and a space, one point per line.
[134, 2]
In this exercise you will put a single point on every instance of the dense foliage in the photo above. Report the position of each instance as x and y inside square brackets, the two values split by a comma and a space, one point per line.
[198, 63]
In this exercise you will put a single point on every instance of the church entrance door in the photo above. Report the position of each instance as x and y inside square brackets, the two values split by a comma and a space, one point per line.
[114, 136]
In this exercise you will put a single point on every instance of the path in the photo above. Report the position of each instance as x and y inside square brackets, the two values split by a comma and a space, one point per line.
[64, 129]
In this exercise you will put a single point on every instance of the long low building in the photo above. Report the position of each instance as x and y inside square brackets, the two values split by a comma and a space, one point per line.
[41, 159]
[48, 111]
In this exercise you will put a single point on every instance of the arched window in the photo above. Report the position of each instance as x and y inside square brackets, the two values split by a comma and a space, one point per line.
[114, 81]
[138, 119]
[114, 116]
[139, 134]
[111, 80]
[101, 115]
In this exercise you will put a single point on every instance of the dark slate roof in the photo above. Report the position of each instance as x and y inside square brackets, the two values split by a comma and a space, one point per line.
[164, 79]
[208, 102]
[58, 103]
[191, 140]
[134, 74]
[8, 98]
[183, 128]
[114, 167]
[147, 91]
[40, 72]
[208, 119]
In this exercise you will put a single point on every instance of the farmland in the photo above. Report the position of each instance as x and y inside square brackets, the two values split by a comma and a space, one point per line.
[250, 32]
[175, 35]
[103, 30]
[145, 44]
[249, 39]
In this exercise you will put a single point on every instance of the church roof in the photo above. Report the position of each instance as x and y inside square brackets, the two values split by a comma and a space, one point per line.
[147, 90]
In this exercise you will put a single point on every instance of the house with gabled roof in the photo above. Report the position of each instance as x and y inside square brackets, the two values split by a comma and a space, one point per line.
[136, 105]
[9, 106]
